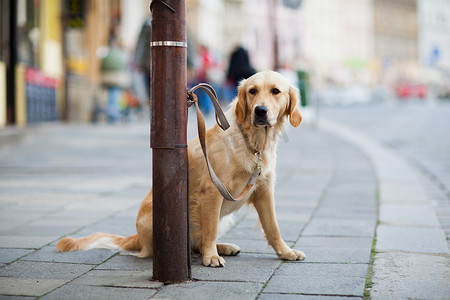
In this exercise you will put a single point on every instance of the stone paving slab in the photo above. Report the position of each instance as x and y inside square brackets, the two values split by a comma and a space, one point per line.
[92, 257]
[38, 230]
[411, 239]
[413, 275]
[127, 262]
[294, 214]
[320, 270]
[346, 286]
[44, 270]
[10, 255]
[321, 279]
[245, 231]
[242, 268]
[309, 197]
[118, 278]
[335, 255]
[291, 230]
[205, 290]
[28, 286]
[336, 242]
[356, 227]
[343, 212]
[84, 217]
[28, 242]
[298, 202]
[124, 226]
[54, 220]
[408, 215]
[88, 292]
[12, 216]
[274, 296]
[395, 192]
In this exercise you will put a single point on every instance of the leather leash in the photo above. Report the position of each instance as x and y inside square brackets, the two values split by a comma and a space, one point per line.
[223, 123]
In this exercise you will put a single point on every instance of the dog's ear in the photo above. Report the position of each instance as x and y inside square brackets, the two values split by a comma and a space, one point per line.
[294, 113]
[241, 106]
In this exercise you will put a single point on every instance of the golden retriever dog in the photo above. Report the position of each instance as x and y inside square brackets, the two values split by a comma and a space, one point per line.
[264, 103]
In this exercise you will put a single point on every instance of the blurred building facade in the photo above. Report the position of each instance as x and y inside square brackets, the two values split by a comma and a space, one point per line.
[434, 43]
[395, 39]
[364, 42]
[50, 58]
[338, 40]
[51, 49]
[434, 33]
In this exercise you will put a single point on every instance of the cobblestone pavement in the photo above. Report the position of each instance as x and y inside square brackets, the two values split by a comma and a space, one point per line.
[76, 180]
[418, 131]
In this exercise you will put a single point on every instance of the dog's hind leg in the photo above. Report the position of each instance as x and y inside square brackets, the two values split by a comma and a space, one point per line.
[228, 249]
[144, 226]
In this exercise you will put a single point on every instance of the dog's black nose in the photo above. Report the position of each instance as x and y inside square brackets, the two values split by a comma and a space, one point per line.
[261, 111]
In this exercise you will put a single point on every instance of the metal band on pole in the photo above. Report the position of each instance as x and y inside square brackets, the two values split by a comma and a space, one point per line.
[169, 44]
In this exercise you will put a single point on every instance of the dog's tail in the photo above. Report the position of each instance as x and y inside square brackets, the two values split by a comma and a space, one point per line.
[99, 241]
[142, 242]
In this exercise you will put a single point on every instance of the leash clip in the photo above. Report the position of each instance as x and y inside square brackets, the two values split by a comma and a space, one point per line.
[258, 162]
[191, 98]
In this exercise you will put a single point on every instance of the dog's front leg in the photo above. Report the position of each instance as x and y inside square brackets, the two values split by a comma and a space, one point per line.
[210, 214]
[263, 201]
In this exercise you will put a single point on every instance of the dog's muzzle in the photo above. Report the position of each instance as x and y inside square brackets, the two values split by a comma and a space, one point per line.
[261, 116]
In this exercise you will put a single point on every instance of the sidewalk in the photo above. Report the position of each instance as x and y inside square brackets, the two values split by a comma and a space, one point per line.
[76, 180]
[412, 256]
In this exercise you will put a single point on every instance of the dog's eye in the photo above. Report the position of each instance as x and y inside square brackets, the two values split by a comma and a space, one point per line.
[253, 91]
[275, 91]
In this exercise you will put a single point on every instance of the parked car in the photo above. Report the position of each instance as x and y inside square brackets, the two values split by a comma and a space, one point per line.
[410, 90]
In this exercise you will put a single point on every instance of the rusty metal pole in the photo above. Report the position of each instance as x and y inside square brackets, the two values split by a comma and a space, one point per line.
[168, 141]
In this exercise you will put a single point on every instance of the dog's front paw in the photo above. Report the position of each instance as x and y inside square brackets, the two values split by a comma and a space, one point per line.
[213, 261]
[292, 255]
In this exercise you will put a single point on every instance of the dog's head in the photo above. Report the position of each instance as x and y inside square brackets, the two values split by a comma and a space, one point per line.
[267, 98]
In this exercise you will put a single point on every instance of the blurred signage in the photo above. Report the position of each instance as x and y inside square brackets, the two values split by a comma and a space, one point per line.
[75, 9]
[36, 77]
[435, 55]
[294, 4]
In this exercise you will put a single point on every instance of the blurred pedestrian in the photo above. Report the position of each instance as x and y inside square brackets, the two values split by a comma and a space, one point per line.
[114, 78]
[206, 61]
[239, 68]
[142, 53]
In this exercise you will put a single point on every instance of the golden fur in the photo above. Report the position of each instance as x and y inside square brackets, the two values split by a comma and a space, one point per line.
[231, 154]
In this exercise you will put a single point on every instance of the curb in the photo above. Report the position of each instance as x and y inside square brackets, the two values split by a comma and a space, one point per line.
[412, 257]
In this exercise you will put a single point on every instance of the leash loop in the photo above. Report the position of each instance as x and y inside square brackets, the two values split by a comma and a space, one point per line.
[220, 116]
